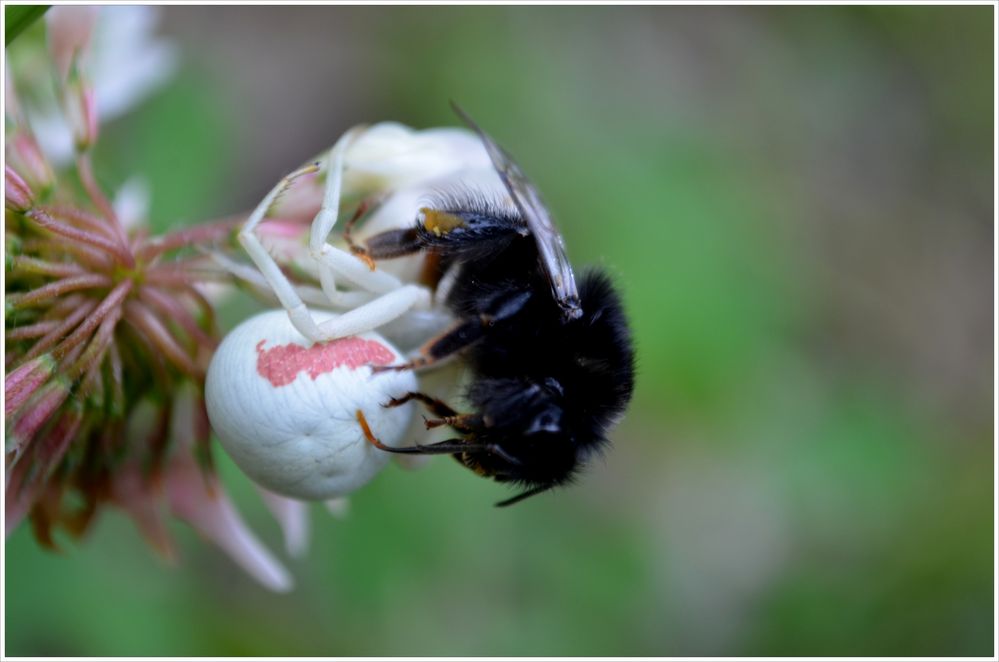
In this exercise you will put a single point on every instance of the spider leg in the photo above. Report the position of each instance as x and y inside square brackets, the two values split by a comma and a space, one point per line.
[333, 261]
[373, 314]
[269, 269]
[396, 298]
[256, 281]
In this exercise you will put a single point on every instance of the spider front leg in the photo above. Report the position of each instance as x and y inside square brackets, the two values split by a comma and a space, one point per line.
[395, 297]
[332, 261]
[279, 284]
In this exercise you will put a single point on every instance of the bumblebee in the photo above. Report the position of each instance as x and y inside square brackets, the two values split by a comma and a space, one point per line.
[551, 361]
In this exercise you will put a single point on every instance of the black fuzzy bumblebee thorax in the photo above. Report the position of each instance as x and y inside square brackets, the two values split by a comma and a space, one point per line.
[551, 360]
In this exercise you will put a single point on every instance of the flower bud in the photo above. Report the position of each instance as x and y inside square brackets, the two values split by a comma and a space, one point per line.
[81, 109]
[69, 30]
[27, 157]
[25, 380]
[38, 411]
[17, 195]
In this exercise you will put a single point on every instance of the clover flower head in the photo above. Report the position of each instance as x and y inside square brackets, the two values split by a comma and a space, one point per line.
[108, 330]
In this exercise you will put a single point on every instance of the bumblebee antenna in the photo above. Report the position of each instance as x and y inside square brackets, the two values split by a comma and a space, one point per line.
[523, 495]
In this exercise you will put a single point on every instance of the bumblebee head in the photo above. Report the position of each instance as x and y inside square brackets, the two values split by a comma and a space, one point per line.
[528, 432]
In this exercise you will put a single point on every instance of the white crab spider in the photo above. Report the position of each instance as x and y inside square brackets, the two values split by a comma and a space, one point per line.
[389, 159]
[281, 396]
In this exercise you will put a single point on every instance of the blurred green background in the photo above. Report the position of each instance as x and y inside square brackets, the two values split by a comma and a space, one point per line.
[797, 203]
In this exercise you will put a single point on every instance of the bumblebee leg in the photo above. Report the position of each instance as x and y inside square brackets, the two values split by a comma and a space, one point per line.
[355, 249]
[436, 407]
[461, 422]
[448, 343]
[446, 447]
[447, 415]
[393, 243]
[499, 308]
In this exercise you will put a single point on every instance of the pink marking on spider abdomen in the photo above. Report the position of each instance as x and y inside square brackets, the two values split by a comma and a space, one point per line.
[280, 365]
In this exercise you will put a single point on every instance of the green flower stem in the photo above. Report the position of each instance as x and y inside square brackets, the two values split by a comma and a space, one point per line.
[17, 18]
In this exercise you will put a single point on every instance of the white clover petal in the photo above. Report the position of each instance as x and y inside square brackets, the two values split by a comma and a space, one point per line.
[392, 156]
[293, 518]
[405, 203]
[139, 497]
[199, 500]
[197, 497]
[338, 507]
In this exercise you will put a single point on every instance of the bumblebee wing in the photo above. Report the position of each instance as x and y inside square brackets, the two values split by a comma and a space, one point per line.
[551, 248]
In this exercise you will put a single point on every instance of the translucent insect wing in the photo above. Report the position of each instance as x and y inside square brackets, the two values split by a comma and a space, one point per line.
[539, 220]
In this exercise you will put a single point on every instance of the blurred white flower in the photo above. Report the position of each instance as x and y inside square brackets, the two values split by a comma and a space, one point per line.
[69, 29]
[125, 63]
[131, 202]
